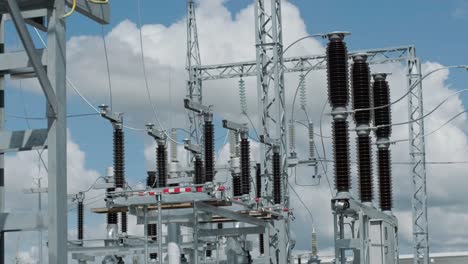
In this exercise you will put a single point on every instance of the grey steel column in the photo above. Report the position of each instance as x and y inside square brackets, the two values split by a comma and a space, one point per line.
[57, 138]
[417, 149]
[2, 156]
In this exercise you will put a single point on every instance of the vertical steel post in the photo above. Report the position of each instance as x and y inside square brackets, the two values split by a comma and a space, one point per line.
[2, 155]
[57, 138]
[270, 86]
[417, 150]
[194, 84]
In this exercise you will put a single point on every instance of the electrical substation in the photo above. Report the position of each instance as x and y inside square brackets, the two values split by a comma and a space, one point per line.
[189, 216]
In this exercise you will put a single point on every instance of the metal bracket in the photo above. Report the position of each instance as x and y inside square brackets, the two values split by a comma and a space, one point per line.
[23, 140]
[229, 214]
[112, 117]
[158, 135]
[193, 148]
[28, 44]
[243, 129]
[10, 222]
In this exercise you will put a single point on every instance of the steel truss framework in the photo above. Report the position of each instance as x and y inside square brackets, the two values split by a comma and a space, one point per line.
[50, 70]
[404, 54]
[194, 84]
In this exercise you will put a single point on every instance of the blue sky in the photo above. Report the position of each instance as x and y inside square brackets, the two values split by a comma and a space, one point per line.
[436, 27]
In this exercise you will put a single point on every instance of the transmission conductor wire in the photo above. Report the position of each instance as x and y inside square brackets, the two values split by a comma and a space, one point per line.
[425, 115]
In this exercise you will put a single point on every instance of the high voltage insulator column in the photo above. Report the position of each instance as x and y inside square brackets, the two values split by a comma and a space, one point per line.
[158, 179]
[116, 120]
[362, 116]
[241, 185]
[119, 167]
[208, 133]
[338, 95]
[382, 122]
[80, 215]
[235, 164]
[152, 228]
[258, 188]
[277, 191]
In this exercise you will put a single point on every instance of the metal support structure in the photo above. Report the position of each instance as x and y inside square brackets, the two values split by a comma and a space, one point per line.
[301, 63]
[53, 83]
[2, 155]
[194, 84]
[403, 54]
[417, 150]
[271, 103]
[57, 139]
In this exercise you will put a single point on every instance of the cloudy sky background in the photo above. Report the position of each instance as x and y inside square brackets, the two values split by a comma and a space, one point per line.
[226, 33]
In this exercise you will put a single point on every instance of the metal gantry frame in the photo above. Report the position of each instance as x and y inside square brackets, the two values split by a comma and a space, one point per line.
[53, 83]
[417, 150]
[272, 117]
[403, 54]
[194, 84]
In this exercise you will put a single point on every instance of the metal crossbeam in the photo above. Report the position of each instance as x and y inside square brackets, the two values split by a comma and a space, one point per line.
[28, 44]
[300, 63]
[229, 214]
[23, 140]
[12, 222]
[230, 231]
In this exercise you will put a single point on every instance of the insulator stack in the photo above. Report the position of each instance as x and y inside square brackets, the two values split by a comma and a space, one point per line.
[124, 221]
[173, 145]
[385, 180]
[153, 231]
[119, 169]
[80, 220]
[314, 243]
[112, 218]
[292, 139]
[242, 96]
[261, 242]
[161, 158]
[198, 177]
[245, 165]
[119, 158]
[258, 180]
[337, 70]
[153, 235]
[382, 115]
[365, 168]
[302, 90]
[236, 186]
[209, 151]
[338, 96]
[209, 252]
[341, 154]
[276, 160]
[151, 179]
[362, 100]
[311, 142]
[361, 90]
[234, 143]
[382, 120]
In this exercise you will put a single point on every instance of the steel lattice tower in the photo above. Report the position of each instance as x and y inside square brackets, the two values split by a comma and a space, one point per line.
[194, 84]
[271, 103]
[417, 150]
